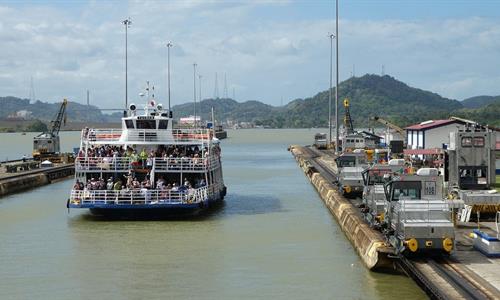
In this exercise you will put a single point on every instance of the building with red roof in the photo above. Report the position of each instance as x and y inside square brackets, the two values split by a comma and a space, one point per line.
[431, 134]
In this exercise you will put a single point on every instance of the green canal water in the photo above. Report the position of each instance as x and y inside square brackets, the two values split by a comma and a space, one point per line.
[273, 239]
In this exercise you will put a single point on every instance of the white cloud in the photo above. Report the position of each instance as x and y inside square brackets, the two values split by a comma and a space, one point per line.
[68, 52]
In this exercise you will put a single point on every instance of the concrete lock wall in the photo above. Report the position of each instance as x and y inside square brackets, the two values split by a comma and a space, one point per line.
[18, 184]
[369, 244]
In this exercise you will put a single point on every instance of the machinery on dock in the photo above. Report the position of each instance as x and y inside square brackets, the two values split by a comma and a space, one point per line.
[350, 166]
[46, 145]
[417, 217]
[347, 117]
[374, 179]
[471, 169]
[320, 141]
[392, 126]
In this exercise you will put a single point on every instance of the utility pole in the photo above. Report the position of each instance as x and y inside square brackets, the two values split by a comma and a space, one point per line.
[337, 76]
[331, 36]
[194, 92]
[127, 23]
[169, 45]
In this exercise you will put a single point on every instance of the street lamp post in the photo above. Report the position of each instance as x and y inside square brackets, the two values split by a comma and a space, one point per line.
[169, 45]
[331, 36]
[337, 76]
[127, 24]
[199, 89]
[194, 92]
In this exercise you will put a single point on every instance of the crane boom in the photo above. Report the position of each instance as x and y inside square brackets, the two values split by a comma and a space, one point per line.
[56, 123]
[389, 124]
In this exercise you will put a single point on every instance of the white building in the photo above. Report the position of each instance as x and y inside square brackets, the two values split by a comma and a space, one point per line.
[431, 134]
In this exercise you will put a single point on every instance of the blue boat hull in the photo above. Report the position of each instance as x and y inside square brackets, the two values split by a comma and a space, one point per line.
[158, 210]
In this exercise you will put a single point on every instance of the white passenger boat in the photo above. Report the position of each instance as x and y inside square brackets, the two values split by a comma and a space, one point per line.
[147, 168]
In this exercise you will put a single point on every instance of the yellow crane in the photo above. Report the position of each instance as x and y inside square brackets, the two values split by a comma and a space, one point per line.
[396, 128]
[46, 144]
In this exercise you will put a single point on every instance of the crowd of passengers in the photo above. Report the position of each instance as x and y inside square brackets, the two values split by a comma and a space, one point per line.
[130, 183]
[110, 154]
[171, 151]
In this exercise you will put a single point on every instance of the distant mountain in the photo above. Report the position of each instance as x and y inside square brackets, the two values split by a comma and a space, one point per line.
[369, 95]
[487, 115]
[76, 112]
[228, 109]
[479, 101]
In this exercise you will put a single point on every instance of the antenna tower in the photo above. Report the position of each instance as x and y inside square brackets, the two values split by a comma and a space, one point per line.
[216, 89]
[225, 86]
[32, 91]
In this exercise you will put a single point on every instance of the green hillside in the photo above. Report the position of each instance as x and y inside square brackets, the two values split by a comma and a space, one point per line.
[228, 109]
[372, 95]
[76, 112]
[479, 101]
[487, 115]
[369, 95]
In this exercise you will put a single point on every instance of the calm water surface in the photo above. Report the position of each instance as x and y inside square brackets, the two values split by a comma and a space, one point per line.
[273, 239]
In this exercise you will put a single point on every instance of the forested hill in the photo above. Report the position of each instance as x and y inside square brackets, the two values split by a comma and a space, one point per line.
[47, 111]
[480, 101]
[369, 95]
[228, 109]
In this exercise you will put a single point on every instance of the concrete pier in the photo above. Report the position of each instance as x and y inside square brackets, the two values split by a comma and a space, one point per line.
[369, 244]
[465, 274]
[21, 181]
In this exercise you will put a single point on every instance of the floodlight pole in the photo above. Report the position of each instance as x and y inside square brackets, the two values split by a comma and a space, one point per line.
[127, 23]
[169, 45]
[194, 92]
[337, 77]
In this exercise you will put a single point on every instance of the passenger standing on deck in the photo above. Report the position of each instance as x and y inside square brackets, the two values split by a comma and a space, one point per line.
[109, 185]
[143, 157]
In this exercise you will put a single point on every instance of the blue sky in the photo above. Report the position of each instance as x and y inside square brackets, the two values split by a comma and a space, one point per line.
[268, 49]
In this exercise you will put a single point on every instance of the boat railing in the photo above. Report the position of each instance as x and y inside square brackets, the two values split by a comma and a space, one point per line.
[146, 135]
[140, 196]
[117, 164]
[185, 164]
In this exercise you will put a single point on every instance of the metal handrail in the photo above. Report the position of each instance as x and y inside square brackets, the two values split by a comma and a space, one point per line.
[146, 135]
[141, 196]
[159, 164]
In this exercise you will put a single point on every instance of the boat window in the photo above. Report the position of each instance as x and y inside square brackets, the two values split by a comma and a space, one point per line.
[349, 161]
[129, 124]
[466, 141]
[146, 124]
[163, 124]
[479, 141]
[406, 189]
[377, 176]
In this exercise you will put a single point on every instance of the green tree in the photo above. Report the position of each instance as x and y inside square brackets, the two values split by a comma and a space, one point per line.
[37, 126]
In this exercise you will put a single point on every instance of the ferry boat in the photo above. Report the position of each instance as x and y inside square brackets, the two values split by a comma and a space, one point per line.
[147, 168]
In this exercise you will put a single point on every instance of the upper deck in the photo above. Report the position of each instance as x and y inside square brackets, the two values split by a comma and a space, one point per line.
[146, 136]
[153, 127]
